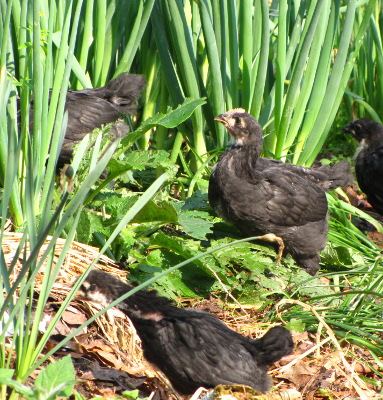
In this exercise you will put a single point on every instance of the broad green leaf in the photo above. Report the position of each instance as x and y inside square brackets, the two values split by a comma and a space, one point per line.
[162, 211]
[188, 281]
[117, 206]
[296, 325]
[184, 248]
[198, 201]
[170, 120]
[88, 224]
[195, 223]
[131, 394]
[337, 255]
[140, 160]
[24, 390]
[56, 374]
[6, 373]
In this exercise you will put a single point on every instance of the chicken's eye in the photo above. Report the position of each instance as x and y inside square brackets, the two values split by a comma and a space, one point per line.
[358, 128]
[92, 287]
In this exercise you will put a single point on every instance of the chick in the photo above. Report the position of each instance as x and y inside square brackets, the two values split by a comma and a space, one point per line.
[264, 196]
[192, 348]
[369, 159]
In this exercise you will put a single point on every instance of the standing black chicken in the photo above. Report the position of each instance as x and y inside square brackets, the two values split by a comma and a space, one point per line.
[369, 159]
[192, 348]
[261, 195]
[90, 108]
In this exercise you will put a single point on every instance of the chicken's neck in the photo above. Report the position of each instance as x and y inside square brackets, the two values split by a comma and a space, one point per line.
[244, 158]
[370, 145]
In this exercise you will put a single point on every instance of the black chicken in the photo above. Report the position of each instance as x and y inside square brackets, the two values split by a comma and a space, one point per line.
[262, 196]
[192, 348]
[369, 159]
[90, 108]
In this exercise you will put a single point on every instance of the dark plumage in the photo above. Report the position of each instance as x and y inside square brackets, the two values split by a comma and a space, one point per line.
[193, 348]
[90, 108]
[369, 159]
[260, 195]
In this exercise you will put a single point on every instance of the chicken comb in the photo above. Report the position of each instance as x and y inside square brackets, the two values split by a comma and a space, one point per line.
[241, 110]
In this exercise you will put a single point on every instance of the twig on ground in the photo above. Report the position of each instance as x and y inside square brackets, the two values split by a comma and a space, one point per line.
[360, 387]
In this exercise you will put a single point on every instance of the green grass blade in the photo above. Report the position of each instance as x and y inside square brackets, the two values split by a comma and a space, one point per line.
[337, 82]
[260, 79]
[296, 81]
[99, 41]
[188, 74]
[280, 65]
[246, 49]
[233, 59]
[217, 99]
[142, 19]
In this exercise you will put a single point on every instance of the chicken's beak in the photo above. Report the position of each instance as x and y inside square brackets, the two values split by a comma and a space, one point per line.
[227, 121]
[349, 130]
[222, 118]
[80, 294]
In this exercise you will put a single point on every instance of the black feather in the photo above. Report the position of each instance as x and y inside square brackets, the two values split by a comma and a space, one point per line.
[193, 348]
[369, 159]
[90, 108]
[260, 195]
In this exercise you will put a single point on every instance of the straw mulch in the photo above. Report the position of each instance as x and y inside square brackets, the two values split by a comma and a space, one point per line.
[108, 355]
[114, 344]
